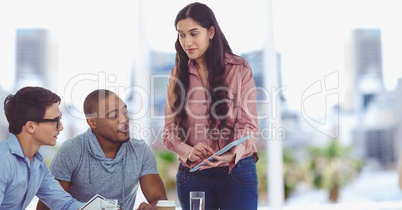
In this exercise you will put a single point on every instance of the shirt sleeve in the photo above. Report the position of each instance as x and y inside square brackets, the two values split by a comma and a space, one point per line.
[400, 172]
[247, 119]
[64, 162]
[53, 195]
[4, 176]
[149, 165]
[170, 139]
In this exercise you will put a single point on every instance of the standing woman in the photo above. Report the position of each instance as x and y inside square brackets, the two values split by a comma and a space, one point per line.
[211, 101]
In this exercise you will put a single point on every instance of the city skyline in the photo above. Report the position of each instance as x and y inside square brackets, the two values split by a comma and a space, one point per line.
[309, 35]
[96, 49]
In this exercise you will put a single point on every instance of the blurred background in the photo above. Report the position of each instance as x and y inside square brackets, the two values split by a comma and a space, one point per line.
[331, 102]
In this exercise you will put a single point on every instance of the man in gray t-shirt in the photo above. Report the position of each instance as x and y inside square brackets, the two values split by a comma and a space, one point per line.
[104, 160]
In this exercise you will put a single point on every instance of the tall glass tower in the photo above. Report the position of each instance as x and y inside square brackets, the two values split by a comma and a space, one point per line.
[31, 57]
[364, 70]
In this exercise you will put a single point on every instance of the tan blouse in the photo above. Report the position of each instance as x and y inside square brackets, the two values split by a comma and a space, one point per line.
[242, 115]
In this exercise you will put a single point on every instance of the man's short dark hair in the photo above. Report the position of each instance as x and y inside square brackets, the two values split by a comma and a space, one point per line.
[29, 103]
[91, 102]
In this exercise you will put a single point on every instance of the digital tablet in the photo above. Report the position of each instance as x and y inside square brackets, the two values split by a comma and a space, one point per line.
[93, 203]
[222, 151]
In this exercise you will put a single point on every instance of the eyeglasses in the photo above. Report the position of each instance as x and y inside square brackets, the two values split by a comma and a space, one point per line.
[57, 120]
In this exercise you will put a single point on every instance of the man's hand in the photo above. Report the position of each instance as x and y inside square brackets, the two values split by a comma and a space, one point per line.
[146, 206]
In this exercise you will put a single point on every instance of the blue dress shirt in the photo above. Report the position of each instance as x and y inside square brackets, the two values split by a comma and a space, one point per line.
[21, 180]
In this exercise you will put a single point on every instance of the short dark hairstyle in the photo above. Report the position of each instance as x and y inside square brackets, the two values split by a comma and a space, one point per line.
[91, 102]
[29, 103]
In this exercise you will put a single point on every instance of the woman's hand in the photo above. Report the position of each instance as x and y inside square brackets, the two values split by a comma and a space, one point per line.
[228, 157]
[200, 151]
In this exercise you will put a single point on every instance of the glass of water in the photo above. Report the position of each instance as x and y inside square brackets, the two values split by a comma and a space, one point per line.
[197, 200]
[109, 204]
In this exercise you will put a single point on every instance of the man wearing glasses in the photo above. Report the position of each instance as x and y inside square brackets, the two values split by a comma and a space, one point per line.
[105, 160]
[34, 120]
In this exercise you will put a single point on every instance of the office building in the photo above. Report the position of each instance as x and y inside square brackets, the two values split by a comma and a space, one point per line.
[32, 57]
[364, 69]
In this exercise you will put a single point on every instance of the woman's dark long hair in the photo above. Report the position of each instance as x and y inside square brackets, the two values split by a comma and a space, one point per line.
[215, 60]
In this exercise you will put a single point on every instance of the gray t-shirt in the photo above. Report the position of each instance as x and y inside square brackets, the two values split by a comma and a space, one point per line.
[81, 162]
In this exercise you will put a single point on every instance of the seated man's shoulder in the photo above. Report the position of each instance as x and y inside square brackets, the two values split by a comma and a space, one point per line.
[6, 157]
[139, 146]
[4, 148]
[137, 142]
[75, 142]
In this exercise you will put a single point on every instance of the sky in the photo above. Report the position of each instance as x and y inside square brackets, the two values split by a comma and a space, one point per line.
[98, 39]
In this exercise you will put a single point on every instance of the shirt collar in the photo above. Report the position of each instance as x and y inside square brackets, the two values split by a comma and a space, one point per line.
[191, 67]
[229, 59]
[15, 147]
[233, 59]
